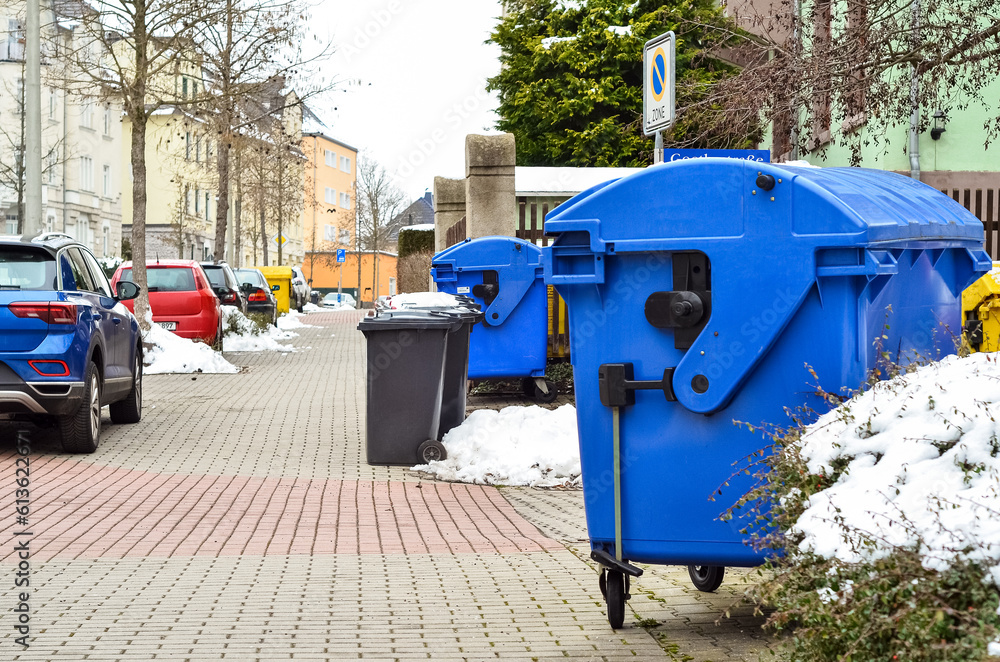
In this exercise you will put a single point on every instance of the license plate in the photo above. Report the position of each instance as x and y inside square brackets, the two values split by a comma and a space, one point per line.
[169, 326]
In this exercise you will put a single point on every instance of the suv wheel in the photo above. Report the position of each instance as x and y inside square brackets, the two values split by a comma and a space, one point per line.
[81, 432]
[129, 410]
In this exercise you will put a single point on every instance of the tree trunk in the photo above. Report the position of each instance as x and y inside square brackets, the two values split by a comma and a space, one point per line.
[139, 212]
[222, 207]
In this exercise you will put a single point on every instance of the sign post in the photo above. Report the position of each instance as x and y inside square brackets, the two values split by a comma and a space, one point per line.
[658, 97]
[341, 258]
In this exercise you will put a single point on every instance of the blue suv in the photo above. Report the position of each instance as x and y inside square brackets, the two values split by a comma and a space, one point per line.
[67, 345]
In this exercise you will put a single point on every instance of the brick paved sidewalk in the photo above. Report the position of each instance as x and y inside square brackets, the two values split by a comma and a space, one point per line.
[239, 521]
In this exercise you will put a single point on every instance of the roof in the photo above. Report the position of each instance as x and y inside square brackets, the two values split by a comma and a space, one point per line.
[564, 181]
[420, 212]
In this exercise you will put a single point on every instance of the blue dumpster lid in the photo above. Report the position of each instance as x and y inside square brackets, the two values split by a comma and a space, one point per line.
[517, 263]
[720, 198]
[495, 253]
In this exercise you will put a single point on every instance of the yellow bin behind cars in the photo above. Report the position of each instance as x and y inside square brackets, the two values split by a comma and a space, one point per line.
[282, 277]
[981, 312]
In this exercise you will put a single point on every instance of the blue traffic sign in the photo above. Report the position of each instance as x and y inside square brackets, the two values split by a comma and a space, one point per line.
[756, 155]
[341, 255]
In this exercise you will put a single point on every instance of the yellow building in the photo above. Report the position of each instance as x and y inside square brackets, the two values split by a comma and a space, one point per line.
[326, 274]
[328, 183]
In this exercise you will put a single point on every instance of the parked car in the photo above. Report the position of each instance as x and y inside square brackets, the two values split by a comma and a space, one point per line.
[334, 300]
[225, 285]
[259, 293]
[300, 289]
[67, 344]
[181, 298]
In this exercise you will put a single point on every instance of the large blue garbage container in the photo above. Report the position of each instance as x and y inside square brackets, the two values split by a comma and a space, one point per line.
[504, 276]
[701, 293]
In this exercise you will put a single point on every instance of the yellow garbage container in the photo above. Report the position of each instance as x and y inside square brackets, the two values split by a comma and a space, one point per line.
[981, 312]
[282, 277]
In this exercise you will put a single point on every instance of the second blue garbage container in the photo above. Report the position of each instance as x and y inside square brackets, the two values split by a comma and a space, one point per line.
[504, 276]
[702, 293]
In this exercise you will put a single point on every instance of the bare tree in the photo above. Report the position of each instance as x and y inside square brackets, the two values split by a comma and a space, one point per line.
[135, 49]
[379, 202]
[244, 51]
[823, 72]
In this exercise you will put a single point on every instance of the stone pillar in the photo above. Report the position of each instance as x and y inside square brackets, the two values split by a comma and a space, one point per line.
[490, 202]
[449, 208]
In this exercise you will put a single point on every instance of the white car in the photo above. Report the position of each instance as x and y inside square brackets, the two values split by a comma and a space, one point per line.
[300, 289]
[342, 300]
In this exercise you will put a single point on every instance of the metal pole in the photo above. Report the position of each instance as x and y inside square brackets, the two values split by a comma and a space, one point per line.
[32, 221]
[616, 448]
[658, 148]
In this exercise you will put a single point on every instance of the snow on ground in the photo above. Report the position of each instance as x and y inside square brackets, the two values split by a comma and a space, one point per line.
[514, 446]
[312, 308]
[290, 320]
[170, 354]
[250, 337]
[338, 307]
[923, 454]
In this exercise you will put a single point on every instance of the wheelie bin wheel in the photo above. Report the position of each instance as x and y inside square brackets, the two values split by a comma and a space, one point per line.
[615, 598]
[706, 578]
[431, 450]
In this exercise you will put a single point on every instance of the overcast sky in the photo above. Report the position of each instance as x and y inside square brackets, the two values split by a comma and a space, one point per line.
[422, 67]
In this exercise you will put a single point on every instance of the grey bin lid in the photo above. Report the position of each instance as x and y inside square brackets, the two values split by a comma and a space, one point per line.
[410, 319]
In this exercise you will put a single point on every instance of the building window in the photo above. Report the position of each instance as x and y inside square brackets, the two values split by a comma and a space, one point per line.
[187, 145]
[197, 148]
[184, 87]
[50, 224]
[15, 40]
[330, 196]
[50, 167]
[83, 229]
[345, 200]
[207, 252]
[194, 89]
[329, 233]
[107, 119]
[107, 239]
[87, 114]
[107, 181]
[197, 202]
[207, 199]
[331, 158]
[345, 238]
[345, 163]
[86, 174]
[208, 149]
[187, 199]
[11, 224]
[52, 104]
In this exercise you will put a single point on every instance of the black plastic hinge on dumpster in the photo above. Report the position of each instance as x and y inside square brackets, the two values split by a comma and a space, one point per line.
[687, 308]
[490, 288]
[617, 385]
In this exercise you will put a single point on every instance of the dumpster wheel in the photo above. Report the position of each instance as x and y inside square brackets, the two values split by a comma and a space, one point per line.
[706, 578]
[614, 587]
[431, 450]
[533, 390]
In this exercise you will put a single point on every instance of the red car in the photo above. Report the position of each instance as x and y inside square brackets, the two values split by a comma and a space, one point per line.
[181, 298]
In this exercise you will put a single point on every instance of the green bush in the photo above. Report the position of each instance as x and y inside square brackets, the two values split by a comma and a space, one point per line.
[415, 241]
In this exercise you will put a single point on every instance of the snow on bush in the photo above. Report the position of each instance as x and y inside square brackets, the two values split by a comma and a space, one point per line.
[169, 353]
[244, 335]
[916, 460]
[514, 446]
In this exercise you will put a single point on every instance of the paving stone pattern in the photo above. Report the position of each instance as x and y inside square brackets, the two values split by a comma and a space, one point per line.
[239, 521]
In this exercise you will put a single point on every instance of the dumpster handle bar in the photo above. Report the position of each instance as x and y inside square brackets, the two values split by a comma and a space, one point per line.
[617, 385]
[609, 561]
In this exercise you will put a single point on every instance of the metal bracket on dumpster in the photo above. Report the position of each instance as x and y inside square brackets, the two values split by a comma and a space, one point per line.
[617, 385]
[609, 561]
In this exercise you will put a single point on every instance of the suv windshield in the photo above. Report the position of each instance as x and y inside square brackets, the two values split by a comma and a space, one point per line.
[26, 269]
[166, 279]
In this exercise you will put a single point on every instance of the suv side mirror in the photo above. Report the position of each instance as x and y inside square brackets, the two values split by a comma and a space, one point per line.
[126, 290]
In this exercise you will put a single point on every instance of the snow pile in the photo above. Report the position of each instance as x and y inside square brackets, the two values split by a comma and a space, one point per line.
[249, 337]
[514, 446]
[290, 320]
[995, 273]
[426, 300]
[169, 353]
[922, 457]
[312, 308]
